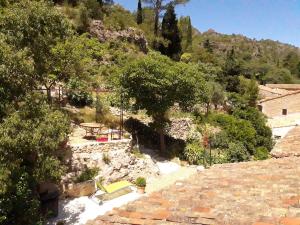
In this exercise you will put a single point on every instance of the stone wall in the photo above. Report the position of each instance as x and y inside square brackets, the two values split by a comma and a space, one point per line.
[114, 160]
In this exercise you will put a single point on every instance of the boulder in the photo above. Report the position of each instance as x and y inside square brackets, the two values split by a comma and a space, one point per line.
[86, 188]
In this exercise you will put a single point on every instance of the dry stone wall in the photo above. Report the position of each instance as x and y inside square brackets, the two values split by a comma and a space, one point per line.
[114, 160]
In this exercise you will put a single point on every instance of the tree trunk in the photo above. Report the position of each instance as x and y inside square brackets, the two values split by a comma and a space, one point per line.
[162, 140]
[156, 19]
[49, 99]
[207, 109]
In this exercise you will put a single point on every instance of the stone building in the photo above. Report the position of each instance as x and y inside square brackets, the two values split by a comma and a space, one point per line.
[281, 105]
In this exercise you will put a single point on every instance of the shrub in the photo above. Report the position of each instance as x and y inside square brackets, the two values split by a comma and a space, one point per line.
[106, 158]
[238, 130]
[237, 152]
[258, 120]
[140, 182]
[261, 153]
[219, 140]
[86, 175]
[77, 94]
[194, 153]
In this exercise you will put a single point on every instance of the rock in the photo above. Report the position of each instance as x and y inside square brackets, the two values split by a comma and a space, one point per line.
[123, 164]
[130, 35]
[86, 188]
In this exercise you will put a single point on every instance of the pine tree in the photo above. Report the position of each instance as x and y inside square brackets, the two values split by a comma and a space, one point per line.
[171, 33]
[139, 16]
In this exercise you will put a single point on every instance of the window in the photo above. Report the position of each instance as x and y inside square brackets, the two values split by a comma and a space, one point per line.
[260, 108]
[284, 112]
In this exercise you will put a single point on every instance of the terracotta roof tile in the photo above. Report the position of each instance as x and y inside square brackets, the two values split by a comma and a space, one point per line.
[257, 192]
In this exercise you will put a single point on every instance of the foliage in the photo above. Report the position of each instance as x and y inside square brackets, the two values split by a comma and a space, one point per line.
[261, 153]
[258, 121]
[170, 32]
[186, 57]
[30, 140]
[140, 182]
[219, 140]
[37, 27]
[106, 159]
[16, 75]
[119, 18]
[237, 152]
[249, 90]
[194, 153]
[87, 174]
[78, 94]
[279, 76]
[238, 130]
[159, 6]
[99, 109]
[139, 15]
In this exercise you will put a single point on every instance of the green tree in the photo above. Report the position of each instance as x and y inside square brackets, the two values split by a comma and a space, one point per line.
[36, 26]
[237, 152]
[291, 62]
[238, 130]
[139, 15]
[160, 5]
[186, 31]
[155, 83]
[259, 122]
[279, 76]
[207, 45]
[189, 40]
[16, 75]
[249, 90]
[30, 143]
[170, 32]
[231, 72]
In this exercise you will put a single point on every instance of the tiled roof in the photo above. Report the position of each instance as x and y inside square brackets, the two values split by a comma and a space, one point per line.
[285, 86]
[274, 90]
[288, 145]
[257, 192]
[281, 96]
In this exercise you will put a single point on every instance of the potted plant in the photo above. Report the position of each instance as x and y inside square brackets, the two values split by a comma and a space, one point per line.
[141, 184]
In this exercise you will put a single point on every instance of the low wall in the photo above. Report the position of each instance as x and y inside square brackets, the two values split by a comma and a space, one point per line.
[95, 147]
[114, 160]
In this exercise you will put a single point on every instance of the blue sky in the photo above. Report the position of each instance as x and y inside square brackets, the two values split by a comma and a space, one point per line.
[260, 19]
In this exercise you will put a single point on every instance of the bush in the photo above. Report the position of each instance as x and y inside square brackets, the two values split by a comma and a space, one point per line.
[31, 141]
[106, 158]
[237, 152]
[261, 153]
[194, 153]
[238, 130]
[86, 175]
[219, 140]
[140, 182]
[77, 94]
[258, 120]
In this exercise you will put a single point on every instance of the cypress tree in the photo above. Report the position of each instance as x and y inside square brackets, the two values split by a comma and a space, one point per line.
[189, 39]
[171, 33]
[139, 16]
